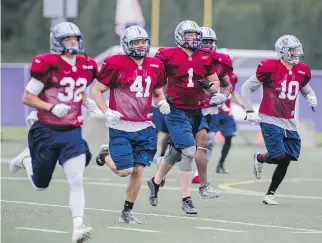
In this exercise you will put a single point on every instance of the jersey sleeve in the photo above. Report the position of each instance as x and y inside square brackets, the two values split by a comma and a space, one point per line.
[94, 70]
[40, 69]
[307, 75]
[108, 73]
[162, 78]
[263, 71]
[161, 55]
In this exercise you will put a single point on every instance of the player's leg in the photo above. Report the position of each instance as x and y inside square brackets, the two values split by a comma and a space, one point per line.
[274, 138]
[30, 120]
[74, 156]
[227, 126]
[292, 143]
[144, 148]
[205, 190]
[182, 127]
[118, 155]
[213, 128]
[39, 160]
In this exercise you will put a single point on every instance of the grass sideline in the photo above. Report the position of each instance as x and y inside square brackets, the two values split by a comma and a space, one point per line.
[20, 133]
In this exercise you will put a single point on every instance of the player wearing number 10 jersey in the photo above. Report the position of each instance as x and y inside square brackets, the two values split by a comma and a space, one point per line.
[57, 90]
[133, 79]
[281, 80]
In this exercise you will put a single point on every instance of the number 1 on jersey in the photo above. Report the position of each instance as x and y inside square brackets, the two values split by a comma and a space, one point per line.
[190, 82]
[137, 87]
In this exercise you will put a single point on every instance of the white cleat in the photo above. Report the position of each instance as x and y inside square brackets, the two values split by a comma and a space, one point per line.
[17, 162]
[269, 200]
[82, 234]
[258, 167]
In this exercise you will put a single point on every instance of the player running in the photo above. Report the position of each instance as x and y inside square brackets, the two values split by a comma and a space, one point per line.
[186, 66]
[57, 90]
[282, 79]
[224, 121]
[134, 79]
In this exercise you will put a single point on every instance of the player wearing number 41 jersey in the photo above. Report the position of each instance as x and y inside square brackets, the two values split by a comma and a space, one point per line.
[134, 80]
[57, 90]
[188, 67]
[282, 80]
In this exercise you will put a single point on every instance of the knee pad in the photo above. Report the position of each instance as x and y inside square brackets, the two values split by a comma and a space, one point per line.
[188, 154]
[172, 156]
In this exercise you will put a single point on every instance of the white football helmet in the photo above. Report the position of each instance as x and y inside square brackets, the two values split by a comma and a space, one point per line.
[131, 34]
[290, 49]
[61, 31]
[182, 29]
[208, 34]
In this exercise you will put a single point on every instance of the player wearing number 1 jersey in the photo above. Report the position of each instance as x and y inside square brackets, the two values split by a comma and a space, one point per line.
[57, 90]
[186, 65]
[134, 80]
[282, 80]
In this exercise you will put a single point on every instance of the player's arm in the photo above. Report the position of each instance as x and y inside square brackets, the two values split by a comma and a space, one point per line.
[98, 96]
[30, 97]
[309, 94]
[247, 89]
[226, 86]
[158, 93]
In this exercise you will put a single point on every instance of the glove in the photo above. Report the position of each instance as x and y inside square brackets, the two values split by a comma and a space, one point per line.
[164, 107]
[205, 84]
[312, 100]
[60, 110]
[92, 107]
[218, 99]
[112, 116]
[252, 117]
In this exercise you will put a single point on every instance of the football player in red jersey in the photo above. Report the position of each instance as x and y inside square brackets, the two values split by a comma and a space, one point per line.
[223, 121]
[282, 79]
[189, 70]
[134, 80]
[57, 91]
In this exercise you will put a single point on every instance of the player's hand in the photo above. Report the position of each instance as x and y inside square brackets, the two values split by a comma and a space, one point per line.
[92, 107]
[312, 100]
[218, 99]
[60, 110]
[112, 116]
[164, 107]
[204, 84]
[252, 117]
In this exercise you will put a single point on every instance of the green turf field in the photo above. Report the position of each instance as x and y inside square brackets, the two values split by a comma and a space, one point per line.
[237, 216]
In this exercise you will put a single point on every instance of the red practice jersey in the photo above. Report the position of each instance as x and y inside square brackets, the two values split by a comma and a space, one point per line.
[233, 80]
[132, 85]
[64, 84]
[281, 87]
[183, 73]
[224, 66]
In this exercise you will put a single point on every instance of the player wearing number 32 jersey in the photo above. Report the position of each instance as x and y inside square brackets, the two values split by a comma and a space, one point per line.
[134, 80]
[57, 90]
[282, 80]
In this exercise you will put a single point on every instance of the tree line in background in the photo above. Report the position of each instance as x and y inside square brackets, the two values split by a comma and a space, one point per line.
[244, 24]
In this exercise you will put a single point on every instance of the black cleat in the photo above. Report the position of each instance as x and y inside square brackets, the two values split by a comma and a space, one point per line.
[221, 170]
[100, 158]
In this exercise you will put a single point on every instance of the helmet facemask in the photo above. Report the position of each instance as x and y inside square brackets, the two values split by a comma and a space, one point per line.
[139, 48]
[293, 55]
[192, 40]
[209, 43]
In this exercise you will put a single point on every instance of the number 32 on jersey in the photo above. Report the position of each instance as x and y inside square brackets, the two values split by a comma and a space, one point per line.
[73, 89]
